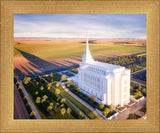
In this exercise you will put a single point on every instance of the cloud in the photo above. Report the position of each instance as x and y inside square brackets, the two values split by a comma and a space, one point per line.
[75, 25]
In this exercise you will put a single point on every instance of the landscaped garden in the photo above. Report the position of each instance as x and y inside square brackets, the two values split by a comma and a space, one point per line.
[48, 102]
[106, 110]
[84, 109]
[90, 100]
[137, 90]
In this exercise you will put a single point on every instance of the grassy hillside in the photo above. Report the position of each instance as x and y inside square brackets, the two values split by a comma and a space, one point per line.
[51, 51]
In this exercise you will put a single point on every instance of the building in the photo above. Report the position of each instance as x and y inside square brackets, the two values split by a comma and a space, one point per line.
[109, 83]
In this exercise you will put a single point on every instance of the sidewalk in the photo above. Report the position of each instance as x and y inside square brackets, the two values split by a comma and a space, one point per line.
[29, 100]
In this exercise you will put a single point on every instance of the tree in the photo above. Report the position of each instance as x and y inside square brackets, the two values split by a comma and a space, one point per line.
[63, 111]
[41, 88]
[49, 86]
[45, 97]
[110, 108]
[49, 108]
[80, 113]
[36, 92]
[17, 83]
[63, 77]
[57, 84]
[69, 110]
[26, 80]
[57, 91]
[101, 106]
[51, 74]
[28, 104]
[25, 98]
[38, 100]
[20, 87]
[51, 104]
[62, 105]
[33, 114]
[43, 100]
[132, 116]
[63, 100]
[57, 104]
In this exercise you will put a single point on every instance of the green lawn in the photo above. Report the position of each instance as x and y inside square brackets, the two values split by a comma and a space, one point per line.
[34, 86]
[50, 51]
[85, 110]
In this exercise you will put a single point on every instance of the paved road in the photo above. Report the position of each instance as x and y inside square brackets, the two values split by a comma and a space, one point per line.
[138, 80]
[139, 71]
[29, 100]
[134, 109]
[74, 106]
[20, 111]
[81, 101]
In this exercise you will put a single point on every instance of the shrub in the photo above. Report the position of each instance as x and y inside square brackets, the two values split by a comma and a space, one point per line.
[101, 106]
[132, 116]
[138, 94]
[110, 108]
[91, 115]
[93, 98]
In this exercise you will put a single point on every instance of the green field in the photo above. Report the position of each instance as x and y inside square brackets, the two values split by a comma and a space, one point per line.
[51, 51]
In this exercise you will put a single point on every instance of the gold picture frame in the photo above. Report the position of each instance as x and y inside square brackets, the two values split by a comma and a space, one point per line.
[10, 7]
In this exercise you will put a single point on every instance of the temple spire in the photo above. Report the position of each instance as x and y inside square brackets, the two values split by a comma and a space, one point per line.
[87, 58]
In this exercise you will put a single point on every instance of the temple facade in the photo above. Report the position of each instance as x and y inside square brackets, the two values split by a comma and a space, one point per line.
[109, 83]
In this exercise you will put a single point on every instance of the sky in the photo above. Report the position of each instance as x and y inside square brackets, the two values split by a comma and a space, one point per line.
[109, 26]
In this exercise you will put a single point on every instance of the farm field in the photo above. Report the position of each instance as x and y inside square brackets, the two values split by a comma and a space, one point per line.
[74, 49]
[36, 56]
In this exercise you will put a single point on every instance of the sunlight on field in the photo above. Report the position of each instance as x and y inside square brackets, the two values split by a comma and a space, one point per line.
[51, 51]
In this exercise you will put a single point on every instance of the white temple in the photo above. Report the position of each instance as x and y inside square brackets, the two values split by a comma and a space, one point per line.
[109, 83]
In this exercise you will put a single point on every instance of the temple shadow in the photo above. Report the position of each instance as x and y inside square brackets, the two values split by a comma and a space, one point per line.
[34, 59]
[37, 66]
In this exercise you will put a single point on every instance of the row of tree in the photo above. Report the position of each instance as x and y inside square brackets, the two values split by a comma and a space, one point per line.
[25, 98]
[123, 60]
